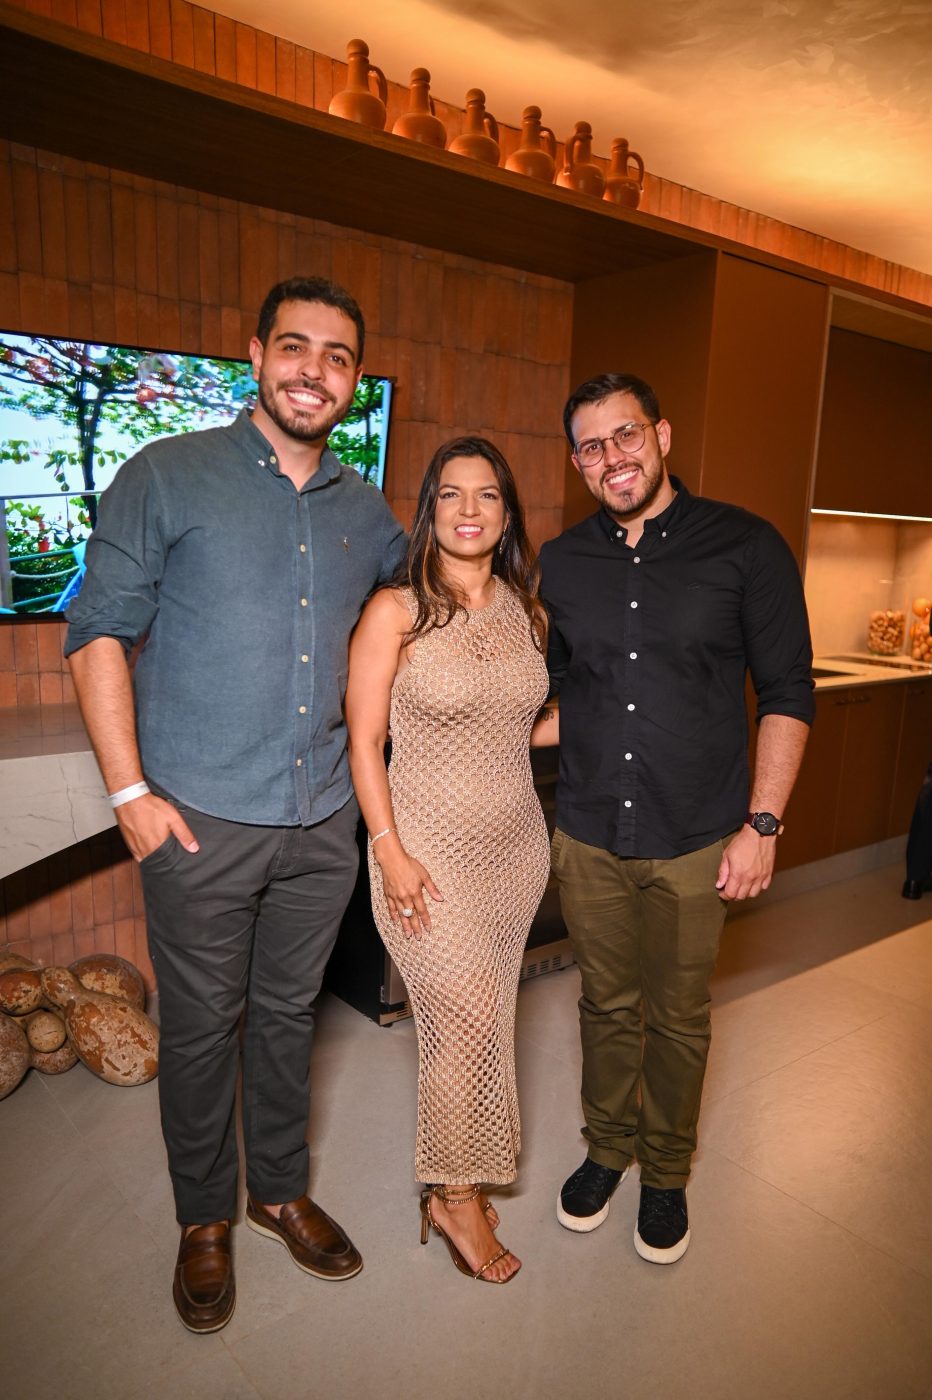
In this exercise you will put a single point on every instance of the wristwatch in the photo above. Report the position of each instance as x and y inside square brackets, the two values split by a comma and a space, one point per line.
[765, 823]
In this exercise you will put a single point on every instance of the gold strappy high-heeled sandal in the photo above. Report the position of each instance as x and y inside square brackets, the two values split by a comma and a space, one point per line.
[452, 1197]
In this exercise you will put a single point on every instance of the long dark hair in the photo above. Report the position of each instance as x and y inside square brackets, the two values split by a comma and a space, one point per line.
[514, 561]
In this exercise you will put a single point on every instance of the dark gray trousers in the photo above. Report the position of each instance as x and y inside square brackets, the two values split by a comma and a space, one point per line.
[246, 924]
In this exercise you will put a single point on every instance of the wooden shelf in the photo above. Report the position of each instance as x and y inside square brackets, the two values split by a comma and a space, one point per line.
[87, 97]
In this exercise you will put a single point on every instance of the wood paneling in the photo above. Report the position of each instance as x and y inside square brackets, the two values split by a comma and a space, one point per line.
[435, 198]
[655, 323]
[762, 408]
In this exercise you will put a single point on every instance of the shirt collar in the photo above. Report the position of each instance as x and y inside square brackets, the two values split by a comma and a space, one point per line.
[665, 521]
[258, 448]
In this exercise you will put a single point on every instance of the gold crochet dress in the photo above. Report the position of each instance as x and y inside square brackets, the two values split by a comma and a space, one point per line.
[465, 806]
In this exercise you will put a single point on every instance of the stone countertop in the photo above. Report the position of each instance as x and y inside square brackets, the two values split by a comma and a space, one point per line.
[861, 668]
[51, 791]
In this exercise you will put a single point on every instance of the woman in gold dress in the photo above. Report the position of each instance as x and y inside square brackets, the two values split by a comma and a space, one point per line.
[450, 661]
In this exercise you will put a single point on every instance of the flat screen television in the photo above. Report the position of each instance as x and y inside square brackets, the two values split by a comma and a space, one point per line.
[72, 411]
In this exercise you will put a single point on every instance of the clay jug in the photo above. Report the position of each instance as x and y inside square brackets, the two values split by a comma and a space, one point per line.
[357, 102]
[14, 1054]
[54, 1061]
[580, 172]
[115, 1040]
[536, 156]
[105, 972]
[621, 187]
[20, 991]
[419, 122]
[45, 1031]
[479, 137]
[13, 960]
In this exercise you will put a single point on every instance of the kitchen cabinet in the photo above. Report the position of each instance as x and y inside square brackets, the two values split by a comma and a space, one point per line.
[809, 818]
[865, 759]
[868, 767]
[915, 751]
[873, 382]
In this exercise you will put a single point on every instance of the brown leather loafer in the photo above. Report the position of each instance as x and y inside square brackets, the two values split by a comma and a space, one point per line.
[204, 1289]
[315, 1242]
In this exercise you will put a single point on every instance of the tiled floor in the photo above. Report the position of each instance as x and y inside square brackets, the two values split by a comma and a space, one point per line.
[809, 1276]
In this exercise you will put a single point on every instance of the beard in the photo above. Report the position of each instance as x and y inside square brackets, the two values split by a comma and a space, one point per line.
[643, 491]
[302, 426]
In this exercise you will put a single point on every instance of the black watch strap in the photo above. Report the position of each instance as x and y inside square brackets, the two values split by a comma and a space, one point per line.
[765, 823]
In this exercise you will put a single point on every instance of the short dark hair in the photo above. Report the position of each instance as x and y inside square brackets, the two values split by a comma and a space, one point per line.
[311, 289]
[602, 387]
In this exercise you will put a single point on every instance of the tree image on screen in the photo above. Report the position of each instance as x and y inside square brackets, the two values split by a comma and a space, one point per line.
[93, 406]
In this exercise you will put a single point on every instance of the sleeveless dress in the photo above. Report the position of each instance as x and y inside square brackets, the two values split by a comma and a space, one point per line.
[465, 807]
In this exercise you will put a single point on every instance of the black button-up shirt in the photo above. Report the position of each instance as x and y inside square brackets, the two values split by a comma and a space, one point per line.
[648, 652]
[248, 590]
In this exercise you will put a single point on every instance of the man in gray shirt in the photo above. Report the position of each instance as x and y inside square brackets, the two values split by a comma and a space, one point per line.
[243, 556]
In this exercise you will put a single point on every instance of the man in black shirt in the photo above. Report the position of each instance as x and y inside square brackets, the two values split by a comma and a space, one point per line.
[659, 604]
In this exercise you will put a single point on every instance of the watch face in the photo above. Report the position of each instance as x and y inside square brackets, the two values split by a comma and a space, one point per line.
[765, 823]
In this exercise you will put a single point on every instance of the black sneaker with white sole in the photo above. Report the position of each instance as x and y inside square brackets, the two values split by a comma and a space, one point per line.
[662, 1232]
[584, 1200]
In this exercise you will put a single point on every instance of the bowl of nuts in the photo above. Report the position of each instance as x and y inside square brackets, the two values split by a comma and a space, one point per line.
[886, 628]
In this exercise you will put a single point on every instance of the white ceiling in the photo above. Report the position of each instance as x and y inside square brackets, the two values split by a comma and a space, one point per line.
[817, 112]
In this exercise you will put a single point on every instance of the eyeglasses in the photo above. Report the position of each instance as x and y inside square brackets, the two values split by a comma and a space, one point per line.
[628, 438]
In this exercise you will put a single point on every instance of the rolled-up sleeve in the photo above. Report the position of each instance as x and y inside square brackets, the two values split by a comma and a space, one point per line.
[776, 629]
[125, 558]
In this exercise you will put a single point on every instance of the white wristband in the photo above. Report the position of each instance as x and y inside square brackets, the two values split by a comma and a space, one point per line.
[116, 799]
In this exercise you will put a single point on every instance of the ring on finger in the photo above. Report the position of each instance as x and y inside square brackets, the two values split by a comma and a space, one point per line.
[407, 913]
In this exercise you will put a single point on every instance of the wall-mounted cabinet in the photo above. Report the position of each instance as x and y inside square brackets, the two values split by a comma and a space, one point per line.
[875, 443]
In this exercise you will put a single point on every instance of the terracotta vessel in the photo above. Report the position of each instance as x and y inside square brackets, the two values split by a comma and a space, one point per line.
[419, 122]
[14, 1054]
[621, 187]
[105, 972]
[54, 1061]
[536, 155]
[479, 138]
[115, 1040]
[20, 991]
[357, 102]
[45, 1031]
[580, 172]
[13, 960]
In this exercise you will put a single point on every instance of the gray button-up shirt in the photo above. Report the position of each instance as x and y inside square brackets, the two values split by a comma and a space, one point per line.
[248, 590]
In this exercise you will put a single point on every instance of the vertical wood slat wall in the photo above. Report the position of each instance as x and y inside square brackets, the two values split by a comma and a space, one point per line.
[195, 37]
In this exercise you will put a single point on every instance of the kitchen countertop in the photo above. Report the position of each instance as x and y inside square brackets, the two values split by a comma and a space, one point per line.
[861, 668]
[52, 794]
[51, 791]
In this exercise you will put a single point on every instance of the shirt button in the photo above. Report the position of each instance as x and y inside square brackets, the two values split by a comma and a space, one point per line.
[637, 559]
[633, 655]
[627, 755]
[299, 762]
[634, 605]
[627, 804]
[619, 534]
[303, 548]
[663, 534]
[302, 709]
[304, 659]
[261, 461]
[304, 602]
[630, 707]
[273, 460]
